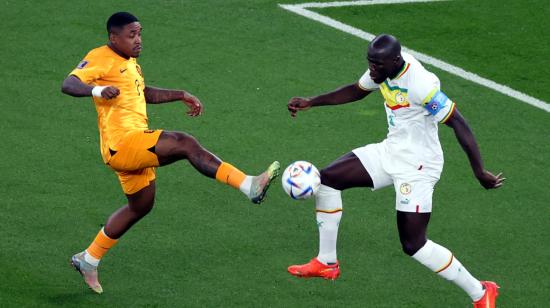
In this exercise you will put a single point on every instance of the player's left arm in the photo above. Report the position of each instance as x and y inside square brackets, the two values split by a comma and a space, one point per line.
[466, 138]
[158, 96]
[438, 105]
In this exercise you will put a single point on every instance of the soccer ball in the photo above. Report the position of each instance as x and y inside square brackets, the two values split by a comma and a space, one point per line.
[301, 180]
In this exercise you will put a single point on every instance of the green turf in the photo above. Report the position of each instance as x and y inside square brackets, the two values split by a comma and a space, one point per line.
[504, 41]
[204, 244]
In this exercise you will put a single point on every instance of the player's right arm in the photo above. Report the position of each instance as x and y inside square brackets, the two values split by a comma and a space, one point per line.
[81, 81]
[73, 86]
[346, 94]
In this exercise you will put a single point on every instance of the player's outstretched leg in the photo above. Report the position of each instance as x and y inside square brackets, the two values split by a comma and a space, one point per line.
[254, 187]
[174, 146]
[412, 233]
[260, 183]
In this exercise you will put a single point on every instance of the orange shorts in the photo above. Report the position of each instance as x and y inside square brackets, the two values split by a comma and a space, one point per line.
[134, 160]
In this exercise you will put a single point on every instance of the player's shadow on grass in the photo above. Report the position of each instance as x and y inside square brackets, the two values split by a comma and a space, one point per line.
[77, 297]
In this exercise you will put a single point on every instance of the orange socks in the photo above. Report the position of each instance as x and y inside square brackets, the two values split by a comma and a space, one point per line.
[230, 175]
[101, 244]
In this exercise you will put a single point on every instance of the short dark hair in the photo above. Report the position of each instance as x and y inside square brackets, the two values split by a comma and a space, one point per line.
[119, 20]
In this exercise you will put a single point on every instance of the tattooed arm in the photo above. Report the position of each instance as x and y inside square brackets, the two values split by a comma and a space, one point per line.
[159, 96]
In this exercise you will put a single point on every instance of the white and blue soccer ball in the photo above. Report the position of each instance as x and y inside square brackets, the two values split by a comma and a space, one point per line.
[301, 180]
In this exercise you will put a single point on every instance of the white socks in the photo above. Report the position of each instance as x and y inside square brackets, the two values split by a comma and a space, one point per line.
[328, 203]
[440, 260]
[246, 185]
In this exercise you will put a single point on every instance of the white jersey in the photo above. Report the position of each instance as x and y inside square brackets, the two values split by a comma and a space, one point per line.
[414, 106]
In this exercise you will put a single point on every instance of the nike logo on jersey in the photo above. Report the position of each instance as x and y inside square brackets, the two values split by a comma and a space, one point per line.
[122, 70]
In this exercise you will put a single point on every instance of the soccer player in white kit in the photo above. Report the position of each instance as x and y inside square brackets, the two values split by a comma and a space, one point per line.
[410, 158]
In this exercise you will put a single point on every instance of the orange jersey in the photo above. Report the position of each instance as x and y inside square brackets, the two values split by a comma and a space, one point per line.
[127, 112]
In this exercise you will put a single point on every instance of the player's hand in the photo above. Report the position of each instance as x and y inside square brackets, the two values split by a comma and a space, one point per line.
[489, 181]
[194, 104]
[298, 103]
[110, 92]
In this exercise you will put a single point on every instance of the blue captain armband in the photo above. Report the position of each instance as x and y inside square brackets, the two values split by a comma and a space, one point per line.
[436, 101]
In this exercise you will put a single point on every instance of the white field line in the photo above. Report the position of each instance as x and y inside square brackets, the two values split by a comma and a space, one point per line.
[301, 9]
[356, 3]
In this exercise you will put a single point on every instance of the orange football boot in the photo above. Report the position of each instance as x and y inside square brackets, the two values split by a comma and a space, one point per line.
[490, 297]
[315, 269]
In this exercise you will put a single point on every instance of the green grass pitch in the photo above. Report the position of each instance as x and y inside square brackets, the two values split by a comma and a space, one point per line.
[204, 244]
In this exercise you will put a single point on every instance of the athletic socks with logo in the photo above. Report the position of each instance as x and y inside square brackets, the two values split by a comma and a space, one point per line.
[328, 204]
[440, 260]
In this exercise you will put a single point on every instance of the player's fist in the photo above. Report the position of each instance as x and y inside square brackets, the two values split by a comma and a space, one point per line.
[298, 103]
[489, 181]
[110, 92]
[194, 104]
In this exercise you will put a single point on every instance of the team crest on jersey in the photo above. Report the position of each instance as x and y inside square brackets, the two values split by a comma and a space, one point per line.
[405, 188]
[82, 64]
[399, 98]
[395, 96]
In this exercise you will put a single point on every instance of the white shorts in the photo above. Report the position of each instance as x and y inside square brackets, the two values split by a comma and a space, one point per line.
[413, 190]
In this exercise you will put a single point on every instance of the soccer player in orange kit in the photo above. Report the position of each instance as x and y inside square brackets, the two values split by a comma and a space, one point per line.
[111, 75]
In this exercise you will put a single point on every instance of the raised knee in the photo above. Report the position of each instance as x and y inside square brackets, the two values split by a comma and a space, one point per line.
[184, 139]
[183, 145]
[411, 247]
[329, 179]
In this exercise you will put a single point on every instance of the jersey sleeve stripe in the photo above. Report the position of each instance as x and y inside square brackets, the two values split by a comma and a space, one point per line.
[362, 88]
[451, 111]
